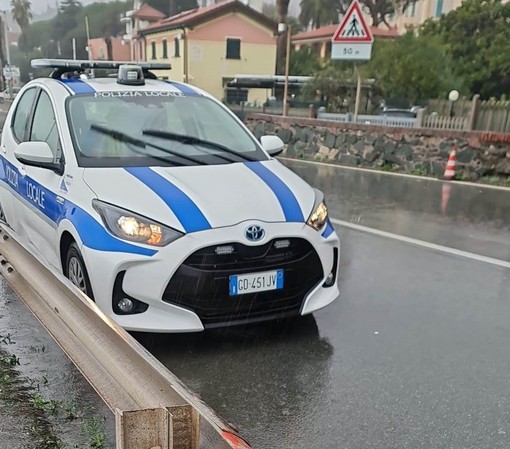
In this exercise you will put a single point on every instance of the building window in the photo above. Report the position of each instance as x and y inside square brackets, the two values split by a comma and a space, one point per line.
[439, 8]
[153, 50]
[177, 48]
[233, 48]
[165, 49]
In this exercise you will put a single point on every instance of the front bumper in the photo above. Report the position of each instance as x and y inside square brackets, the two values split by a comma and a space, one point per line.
[186, 283]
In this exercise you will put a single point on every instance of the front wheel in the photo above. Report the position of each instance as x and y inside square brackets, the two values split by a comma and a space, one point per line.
[76, 271]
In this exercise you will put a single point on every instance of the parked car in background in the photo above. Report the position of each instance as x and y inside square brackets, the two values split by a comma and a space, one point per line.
[396, 112]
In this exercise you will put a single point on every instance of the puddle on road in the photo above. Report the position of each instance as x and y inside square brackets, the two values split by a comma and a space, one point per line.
[47, 370]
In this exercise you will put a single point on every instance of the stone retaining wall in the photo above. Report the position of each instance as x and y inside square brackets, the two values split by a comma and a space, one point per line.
[415, 151]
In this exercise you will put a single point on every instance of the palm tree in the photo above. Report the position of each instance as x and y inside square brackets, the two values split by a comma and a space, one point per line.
[282, 9]
[21, 13]
[318, 13]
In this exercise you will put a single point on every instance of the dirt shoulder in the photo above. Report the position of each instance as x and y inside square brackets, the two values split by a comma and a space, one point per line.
[45, 403]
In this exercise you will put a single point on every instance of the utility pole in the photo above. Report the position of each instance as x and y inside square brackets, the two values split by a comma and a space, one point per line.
[89, 50]
[7, 51]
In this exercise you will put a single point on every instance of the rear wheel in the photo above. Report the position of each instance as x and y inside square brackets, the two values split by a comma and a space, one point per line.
[76, 271]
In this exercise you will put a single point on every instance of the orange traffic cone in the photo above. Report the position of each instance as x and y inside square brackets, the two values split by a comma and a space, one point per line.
[449, 173]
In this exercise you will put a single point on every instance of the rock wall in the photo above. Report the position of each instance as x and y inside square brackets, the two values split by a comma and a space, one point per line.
[415, 151]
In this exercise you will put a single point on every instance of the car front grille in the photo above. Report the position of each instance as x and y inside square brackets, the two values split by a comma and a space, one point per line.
[201, 283]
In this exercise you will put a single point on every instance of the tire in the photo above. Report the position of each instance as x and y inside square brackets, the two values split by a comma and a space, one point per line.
[76, 271]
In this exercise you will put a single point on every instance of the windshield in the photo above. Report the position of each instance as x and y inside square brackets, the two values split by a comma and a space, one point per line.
[155, 129]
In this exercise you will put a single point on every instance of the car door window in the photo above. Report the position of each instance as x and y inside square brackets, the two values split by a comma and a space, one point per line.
[21, 115]
[44, 125]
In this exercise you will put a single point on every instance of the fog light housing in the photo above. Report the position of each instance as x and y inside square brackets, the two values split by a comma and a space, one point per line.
[122, 303]
[331, 278]
[125, 305]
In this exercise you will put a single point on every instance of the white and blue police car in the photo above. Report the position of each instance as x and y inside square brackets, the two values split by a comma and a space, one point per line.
[159, 204]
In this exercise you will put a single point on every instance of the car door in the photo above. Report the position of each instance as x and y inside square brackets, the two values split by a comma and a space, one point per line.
[42, 202]
[14, 132]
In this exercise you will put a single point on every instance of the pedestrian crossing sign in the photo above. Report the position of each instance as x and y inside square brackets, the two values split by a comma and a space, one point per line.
[353, 28]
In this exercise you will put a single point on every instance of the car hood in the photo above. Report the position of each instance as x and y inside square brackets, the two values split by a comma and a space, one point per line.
[197, 198]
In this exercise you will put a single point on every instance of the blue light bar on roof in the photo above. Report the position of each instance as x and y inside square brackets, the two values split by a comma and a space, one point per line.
[72, 64]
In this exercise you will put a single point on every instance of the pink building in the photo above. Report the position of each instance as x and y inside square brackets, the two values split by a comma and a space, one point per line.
[110, 49]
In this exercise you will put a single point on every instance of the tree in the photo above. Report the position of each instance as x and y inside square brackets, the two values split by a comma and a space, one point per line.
[282, 10]
[318, 13]
[53, 38]
[379, 10]
[476, 36]
[304, 62]
[335, 83]
[21, 13]
[412, 67]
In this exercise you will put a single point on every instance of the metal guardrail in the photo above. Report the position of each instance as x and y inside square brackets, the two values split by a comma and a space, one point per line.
[153, 408]
[380, 120]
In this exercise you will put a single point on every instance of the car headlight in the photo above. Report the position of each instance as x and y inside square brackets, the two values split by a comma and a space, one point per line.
[127, 225]
[319, 215]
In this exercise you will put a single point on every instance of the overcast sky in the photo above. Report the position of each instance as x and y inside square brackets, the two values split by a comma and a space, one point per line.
[39, 6]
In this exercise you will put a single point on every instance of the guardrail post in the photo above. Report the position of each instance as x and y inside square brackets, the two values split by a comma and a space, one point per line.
[143, 429]
[176, 427]
[185, 427]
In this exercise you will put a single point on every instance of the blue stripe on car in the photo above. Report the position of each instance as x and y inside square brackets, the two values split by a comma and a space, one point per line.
[184, 89]
[92, 233]
[186, 211]
[78, 86]
[286, 198]
[329, 230]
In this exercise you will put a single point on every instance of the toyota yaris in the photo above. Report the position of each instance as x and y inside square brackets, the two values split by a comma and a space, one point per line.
[159, 204]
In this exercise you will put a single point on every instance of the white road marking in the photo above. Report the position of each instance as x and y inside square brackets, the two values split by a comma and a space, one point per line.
[423, 244]
[402, 175]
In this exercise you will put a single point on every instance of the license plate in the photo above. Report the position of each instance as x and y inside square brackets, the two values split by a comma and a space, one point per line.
[255, 282]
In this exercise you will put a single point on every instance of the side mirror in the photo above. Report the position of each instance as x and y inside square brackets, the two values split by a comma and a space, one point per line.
[272, 144]
[37, 154]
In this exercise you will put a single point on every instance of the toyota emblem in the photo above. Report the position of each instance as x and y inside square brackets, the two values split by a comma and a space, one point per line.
[254, 233]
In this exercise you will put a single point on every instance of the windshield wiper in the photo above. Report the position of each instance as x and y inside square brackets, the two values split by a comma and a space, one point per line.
[123, 137]
[191, 140]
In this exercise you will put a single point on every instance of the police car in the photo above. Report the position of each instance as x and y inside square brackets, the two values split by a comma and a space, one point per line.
[159, 204]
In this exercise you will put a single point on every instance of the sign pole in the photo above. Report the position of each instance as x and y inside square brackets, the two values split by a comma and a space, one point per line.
[352, 41]
[358, 93]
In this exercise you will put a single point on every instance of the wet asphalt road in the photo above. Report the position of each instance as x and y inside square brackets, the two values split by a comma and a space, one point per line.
[415, 353]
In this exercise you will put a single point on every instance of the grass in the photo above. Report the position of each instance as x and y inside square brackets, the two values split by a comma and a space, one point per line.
[419, 172]
[94, 429]
[492, 180]
[387, 166]
[462, 176]
[6, 339]
[46, 406]
[29, 405]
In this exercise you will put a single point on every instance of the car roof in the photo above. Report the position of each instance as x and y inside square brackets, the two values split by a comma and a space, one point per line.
[106, 86]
